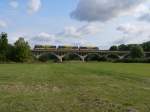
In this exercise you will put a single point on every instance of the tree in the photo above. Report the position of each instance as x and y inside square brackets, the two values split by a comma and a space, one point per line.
[113, 48]
[137, 52]
[3, 42]
[3, 46]
[10, 55]
[22, 50]
[123, 47]
[146, 46]
[130, 46]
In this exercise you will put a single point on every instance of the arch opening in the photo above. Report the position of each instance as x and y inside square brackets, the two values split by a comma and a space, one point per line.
[71, 57]
[48, 57]
[92, 57]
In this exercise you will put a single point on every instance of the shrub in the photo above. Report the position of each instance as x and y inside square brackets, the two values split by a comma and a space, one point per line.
[2, 58]
[113, 48]
[22, 51]
[137, 52]
[92, 57]
[103, 58]
[136, 60]
[44, 58]
[113, 56]
[71, 57]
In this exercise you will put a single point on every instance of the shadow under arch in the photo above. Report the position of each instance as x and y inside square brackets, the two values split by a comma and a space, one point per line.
[112, 56]
[125, 56]
[71, 56]
[48, 56]
[92, 57]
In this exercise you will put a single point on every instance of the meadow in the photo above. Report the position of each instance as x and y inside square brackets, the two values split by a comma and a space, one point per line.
[75, 87]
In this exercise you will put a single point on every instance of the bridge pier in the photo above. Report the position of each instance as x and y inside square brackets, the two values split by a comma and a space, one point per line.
[83, 58]
[60, 58]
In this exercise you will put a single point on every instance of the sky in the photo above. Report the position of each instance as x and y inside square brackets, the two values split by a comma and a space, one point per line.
[99, 23]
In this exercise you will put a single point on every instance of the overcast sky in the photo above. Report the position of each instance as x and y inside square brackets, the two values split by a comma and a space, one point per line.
[76, 22]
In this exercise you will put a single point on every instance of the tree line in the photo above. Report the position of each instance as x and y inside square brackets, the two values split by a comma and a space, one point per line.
[136, 50]
[144, 46]
[18, 52]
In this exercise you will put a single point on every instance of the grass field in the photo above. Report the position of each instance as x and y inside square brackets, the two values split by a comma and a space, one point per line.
[75, 87]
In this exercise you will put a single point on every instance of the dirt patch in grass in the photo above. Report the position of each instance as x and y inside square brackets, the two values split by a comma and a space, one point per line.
[13, 88]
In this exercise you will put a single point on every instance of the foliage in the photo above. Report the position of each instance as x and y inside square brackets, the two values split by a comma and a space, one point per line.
[92, 57]
[113, 48]
[46, 57]
[22, 50]
[130, 46]
[113, 56]
[3, 43]
[136, 60]
[3, 47]
[123, 47]
[71, 57]
[146, 46]
[137, 52]
[2, 58]
[10, 54]
[103, 58]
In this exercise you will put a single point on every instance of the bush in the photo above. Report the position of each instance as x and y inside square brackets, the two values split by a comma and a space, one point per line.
[92, 57]
[103, 58]
[137, 52]
[71, 57]
[47, 57]
[113, 56]
[136, 60]
[123, 47]
[2, 58]
[113, 48]
[22, 51]
[44, 58]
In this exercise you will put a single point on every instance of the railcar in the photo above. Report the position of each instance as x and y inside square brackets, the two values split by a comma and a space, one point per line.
[88, 48]
[74, 48]
[45, 47]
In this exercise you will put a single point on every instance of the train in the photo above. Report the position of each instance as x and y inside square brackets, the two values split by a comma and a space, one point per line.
[44, 47]
[72, 48]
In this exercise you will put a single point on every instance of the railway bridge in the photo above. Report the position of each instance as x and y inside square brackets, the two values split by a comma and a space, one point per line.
[82, 54]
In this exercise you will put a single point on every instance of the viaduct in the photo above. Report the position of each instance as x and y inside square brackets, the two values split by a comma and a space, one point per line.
[83, 54]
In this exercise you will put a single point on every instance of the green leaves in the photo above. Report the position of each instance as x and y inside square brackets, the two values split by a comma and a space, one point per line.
[22, 50]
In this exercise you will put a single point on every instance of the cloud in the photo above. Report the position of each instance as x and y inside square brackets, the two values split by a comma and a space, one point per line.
[3, 24]
[140, 10]
[71, 35]
[14, 3]
[129, 29]
[130, 40]
[133, 33]
[43, 37]
[34, 6]
[88, 29]
[145, 17]
[103, 10]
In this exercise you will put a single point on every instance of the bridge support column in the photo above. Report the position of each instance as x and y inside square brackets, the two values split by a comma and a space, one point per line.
[60, 58]
[83, 58]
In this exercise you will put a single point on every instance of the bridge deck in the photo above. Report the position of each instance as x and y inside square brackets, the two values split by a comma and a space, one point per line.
[82, 51]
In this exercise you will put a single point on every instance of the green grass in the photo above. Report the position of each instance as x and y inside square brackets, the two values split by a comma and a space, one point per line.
[75, 87]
